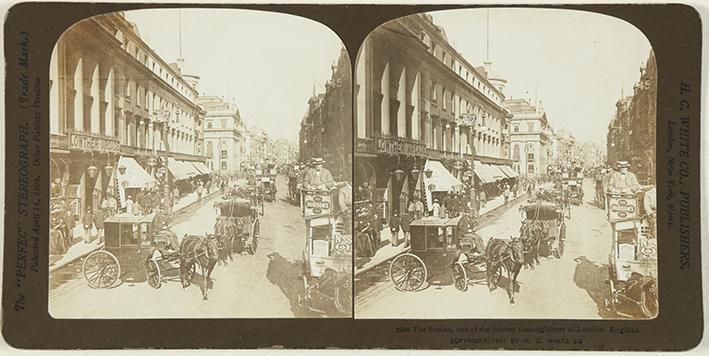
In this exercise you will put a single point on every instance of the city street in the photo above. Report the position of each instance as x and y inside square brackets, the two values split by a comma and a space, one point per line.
[570, 288]
[248, 287]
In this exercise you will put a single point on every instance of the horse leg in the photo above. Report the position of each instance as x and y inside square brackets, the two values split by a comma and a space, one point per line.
[203, 286]
[491, 271]
[510, 286]
[210, 268]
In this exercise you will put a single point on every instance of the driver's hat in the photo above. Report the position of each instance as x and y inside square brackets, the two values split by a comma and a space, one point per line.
[622, 164]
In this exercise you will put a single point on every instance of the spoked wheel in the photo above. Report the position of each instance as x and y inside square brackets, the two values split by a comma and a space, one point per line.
[408, 272]
[101, 269]
[152, 269]
[255, 230]
[343, 296]
[559, 249]
[648, 299]
[460, 277]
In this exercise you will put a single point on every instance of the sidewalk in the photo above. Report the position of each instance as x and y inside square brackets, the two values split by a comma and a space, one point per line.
[388, 252]
[81, 248]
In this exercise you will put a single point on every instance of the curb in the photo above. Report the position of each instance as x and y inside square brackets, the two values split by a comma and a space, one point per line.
[55, 267]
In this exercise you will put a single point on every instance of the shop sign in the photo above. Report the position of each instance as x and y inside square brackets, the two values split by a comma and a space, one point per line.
[342, 244]
[86, 142]
[317, 204]
[398, 146]
[621, 208]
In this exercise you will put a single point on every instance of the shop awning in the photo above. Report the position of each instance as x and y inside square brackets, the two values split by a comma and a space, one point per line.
[202, 168]
[498, 168]
[509, 171]
[180, 170]
[441, 180]
[135, 176]
[487, 173]
[197, 167]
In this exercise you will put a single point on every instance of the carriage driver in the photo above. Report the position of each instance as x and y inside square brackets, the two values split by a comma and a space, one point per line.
[170, 237]
[478, 246]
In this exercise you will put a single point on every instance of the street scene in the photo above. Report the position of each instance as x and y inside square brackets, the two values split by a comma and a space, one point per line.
[192, 181]
[524, 195]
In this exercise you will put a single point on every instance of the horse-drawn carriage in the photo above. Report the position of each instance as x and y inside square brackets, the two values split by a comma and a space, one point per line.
[129, 245]
[633, 258]
[266, 180]
[573, 191]
[543, 230]
[238, 225]
[439, 250]
[327, 258]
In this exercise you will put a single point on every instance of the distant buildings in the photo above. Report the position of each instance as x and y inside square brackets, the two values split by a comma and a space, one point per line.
[224, 134]
[632, 131]
[531, 138]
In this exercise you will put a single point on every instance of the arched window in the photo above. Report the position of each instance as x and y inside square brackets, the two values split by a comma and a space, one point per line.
[516, 153]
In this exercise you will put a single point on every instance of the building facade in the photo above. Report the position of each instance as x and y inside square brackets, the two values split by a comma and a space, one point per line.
[326, 128]
[530, 138]
[114, 100]
[632, 130]
[223, 135]
[420, 104]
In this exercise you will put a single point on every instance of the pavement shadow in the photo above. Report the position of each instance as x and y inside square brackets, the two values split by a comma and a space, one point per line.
[284, 274]
[591, 277]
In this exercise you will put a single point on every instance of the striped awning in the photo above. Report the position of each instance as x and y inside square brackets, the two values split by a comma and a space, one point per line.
[487, 173]
[509, 171]
[135, 176]
[180, 169]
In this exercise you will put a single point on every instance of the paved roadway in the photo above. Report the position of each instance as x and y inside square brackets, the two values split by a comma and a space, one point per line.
[248, 287]
[573, 287]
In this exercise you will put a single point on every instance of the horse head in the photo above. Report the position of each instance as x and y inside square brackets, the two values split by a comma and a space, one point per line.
[518, 249]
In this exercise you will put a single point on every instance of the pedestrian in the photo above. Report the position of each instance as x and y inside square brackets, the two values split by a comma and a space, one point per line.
[137, 208]
[87, 221]
[376, 232]
[175, 195]
[406, 219]
[68, 223]
[394, 226]
[483, 199]
[515, 188]
[416, 208]
[99, 217]
[200, 191]
[435, 207]
[507, 193]
[109, 204]
[129, 204]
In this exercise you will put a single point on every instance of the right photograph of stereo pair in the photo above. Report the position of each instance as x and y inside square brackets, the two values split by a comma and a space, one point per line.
[504, 167]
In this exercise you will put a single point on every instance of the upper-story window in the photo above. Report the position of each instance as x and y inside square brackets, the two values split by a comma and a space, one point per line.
[530, 126]
[209, 124]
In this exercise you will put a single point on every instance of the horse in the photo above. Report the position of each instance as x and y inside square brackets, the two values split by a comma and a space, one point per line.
[225, 232]
[508, 255]
[531, 237]
[203, 252]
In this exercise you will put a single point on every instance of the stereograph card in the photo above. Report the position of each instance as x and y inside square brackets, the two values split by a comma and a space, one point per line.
[352, 176]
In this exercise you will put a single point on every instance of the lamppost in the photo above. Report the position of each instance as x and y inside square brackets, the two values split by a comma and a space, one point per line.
[465, 120]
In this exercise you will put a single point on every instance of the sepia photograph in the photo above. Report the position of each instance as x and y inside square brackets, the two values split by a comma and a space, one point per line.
[201, 167]
[505, 167]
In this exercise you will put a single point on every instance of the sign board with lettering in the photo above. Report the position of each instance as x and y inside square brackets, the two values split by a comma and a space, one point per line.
[86, 142]
[399, 146]
[622, 207]
[316, 203]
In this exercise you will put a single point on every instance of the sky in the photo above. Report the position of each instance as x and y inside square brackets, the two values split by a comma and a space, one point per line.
[576, 62]
[268, 62]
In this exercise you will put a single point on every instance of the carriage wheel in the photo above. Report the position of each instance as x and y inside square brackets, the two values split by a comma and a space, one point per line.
[648, 299]
[101, 269]
[343, 297]
[255, 230]
[559, 249]
[460, 277]
[152, 269]
[408, 272]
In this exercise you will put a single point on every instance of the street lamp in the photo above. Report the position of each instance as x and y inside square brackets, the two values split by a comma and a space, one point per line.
[92, 170]
[398, 173]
